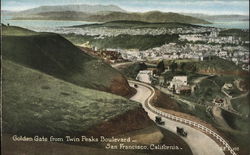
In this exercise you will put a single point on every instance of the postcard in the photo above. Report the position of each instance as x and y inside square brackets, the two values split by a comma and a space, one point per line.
[108, 77]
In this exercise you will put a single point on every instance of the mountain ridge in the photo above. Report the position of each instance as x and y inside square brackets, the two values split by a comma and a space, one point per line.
[151, 16]
[77, 8]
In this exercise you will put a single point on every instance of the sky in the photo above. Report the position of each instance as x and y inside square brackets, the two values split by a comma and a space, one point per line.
[211, 7]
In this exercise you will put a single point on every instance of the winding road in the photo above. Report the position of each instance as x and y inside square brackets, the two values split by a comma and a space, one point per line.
[199, 142]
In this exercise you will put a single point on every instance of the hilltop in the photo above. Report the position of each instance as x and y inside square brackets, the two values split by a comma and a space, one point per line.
[52, 54]
[152, 16]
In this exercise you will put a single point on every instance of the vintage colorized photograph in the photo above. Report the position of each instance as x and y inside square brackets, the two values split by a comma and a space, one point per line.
[125, 77]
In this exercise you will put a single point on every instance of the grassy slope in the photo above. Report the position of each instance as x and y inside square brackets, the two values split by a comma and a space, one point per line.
[141, 42]
[54, 55]
[242, 105]
[34, 102]
[132, 70]
[214, 66]
[217, 64]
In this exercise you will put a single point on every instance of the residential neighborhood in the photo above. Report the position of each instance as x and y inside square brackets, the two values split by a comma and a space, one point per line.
[237, 54]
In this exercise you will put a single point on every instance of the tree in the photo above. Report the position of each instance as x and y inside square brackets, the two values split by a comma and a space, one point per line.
[183, 66]
[160, 67]
[173, 66]
[194, 69]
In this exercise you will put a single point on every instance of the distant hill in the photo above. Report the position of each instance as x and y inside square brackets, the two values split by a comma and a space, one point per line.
[77, 8]
[220, 17]
[152, 17]
[138, 24]
[52, 54]
[6, 12]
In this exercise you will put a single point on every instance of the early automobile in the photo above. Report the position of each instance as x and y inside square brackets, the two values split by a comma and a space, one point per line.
[181, 132]
[159, 121]
[135, 85]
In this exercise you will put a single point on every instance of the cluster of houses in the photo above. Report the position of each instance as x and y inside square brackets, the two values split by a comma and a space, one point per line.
[108, 55]
[178, 85]
[102, 32]
[213, 37]
[228, 48]
[237, 54]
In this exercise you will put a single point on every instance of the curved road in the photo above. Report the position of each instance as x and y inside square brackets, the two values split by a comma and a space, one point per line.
[199, 143]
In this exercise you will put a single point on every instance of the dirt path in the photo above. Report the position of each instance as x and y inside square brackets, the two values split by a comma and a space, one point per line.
[218, 117]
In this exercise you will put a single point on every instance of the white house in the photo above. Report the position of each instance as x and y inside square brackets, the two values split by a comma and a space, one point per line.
[178, 81]
[145, 76]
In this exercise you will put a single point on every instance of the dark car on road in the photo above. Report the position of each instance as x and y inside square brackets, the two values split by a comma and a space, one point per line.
[159, 121]
[135, 85]
[181, 132]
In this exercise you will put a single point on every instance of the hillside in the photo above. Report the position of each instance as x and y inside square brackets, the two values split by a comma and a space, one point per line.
[244, 34]
[52, 54]
[216, 66]
[152, 17]
[36, 103]
[124, 41]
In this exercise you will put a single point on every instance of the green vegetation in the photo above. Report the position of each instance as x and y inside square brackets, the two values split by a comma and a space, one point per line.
[190, 75]
[35, 103]
[198, 111]
[210, 88]
[244, 34]
[241, 105]
[215, 65]
[160, 67]
[46, 85]
[132, 70]
[16, 31]
[235, 122]
[52, 54]
[207, 90]
[141, 42]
